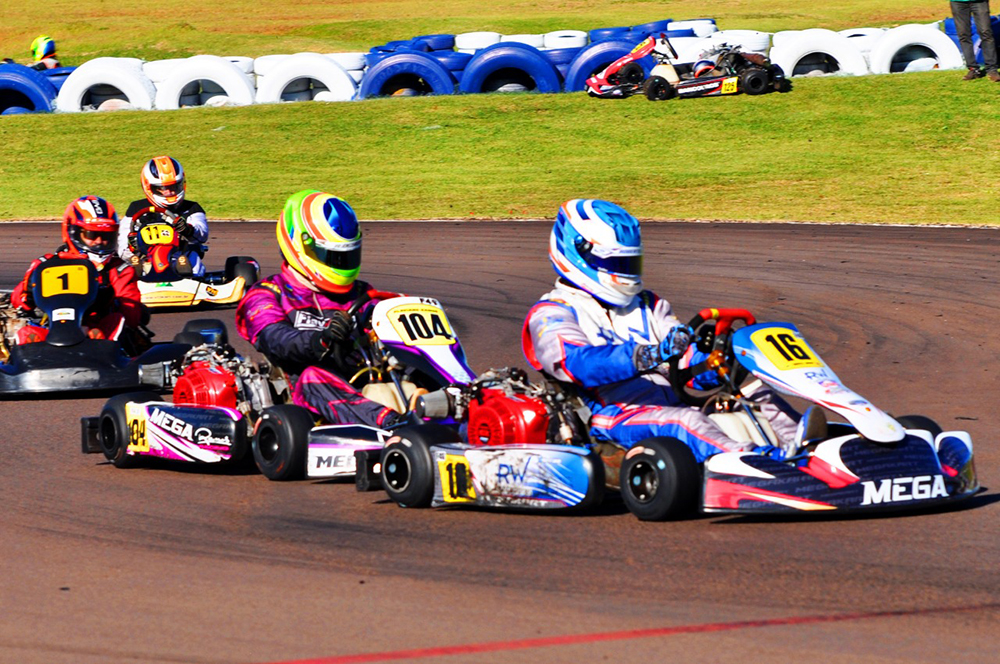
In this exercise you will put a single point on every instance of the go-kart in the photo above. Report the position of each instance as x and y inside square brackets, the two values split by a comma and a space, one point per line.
[217, 398]
[871, 462]
[165, 274]
[723, 70]
[52, 352]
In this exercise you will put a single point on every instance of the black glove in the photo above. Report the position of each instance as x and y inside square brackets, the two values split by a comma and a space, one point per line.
[336, 333]
[182, 228]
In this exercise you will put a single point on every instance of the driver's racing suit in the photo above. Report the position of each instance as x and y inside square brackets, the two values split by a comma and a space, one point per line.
[280, 316]
[195, 229]
[118, 300]
[573, 338]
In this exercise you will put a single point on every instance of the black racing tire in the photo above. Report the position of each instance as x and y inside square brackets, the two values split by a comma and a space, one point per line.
[232, 262]
[632, 74]
[657, 88]
[280, 442]
[113, 430]
[661, 481]
[249, 272]
[755, 81]
[407, 468]
[920, 422]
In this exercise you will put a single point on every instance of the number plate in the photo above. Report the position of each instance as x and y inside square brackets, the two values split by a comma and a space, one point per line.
[784, 349]
[157, 234]
[456, 479]
[730, 85]
[65, 279]
[421, 325]
[135, 417]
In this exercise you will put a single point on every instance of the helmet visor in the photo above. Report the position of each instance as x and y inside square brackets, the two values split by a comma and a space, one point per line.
[627, 262]
[348, 258]
[167, 190]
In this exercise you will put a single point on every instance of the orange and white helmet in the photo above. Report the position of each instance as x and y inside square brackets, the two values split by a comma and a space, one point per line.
[90, 228]
[163, 181]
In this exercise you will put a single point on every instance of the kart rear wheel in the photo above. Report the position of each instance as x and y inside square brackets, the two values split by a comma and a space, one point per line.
[660, 480]
[631, 74]
[657, 88]
[754, 81]
[280, 442]
[407, 469]
[203, 330]
[113, 429]
[920, 422]
[248, 272]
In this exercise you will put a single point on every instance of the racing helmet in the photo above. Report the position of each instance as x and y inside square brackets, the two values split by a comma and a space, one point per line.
[43, 47]
[702, 68]
[90, 228]
[320, 239]
[163, 181]
[596, 246]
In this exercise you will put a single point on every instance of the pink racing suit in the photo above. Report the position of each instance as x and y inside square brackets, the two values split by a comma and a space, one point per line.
[280, 316]
[573, 338]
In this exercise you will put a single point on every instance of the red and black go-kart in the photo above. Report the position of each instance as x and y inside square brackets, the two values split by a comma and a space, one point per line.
[724, 70]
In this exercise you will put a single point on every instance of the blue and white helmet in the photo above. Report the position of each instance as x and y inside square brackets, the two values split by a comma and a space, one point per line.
[596, 246]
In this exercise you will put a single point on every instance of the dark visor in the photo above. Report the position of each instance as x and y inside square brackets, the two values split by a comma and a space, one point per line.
[615, 264]
[340, 260]
[107, 236]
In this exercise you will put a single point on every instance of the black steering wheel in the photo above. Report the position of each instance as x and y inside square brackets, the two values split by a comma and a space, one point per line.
[714, 340]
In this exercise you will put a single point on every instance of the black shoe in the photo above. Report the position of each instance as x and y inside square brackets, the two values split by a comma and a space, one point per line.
[973, 74]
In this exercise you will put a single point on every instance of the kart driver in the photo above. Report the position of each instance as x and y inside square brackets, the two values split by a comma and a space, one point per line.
[43, 52]
[165, 187]
[602, 332]
[297, 318]
[89, 230]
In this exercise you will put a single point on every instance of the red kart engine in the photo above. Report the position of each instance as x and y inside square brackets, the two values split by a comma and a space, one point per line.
[499, 419]
[202, 384]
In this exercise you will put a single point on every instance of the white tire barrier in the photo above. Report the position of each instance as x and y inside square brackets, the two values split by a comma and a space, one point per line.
[124, 74]
[864, 38]
[702, 27]
[159, 70]
[265, 63]
[822, 51]
[236, 84]
[469, 42]
[243, 63]
[538, 41]
[689, 49]
[565, 39]
[750, 41]
[349, 61]
[300, 68]
[915, 42]
[782, 38]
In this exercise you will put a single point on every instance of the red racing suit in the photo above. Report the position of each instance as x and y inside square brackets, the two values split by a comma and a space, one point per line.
[118, 298]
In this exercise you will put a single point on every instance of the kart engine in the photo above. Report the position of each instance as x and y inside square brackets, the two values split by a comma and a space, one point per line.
[214, 375]
[502, 408]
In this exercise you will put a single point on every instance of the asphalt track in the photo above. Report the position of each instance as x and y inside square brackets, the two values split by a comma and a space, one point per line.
[103, 565]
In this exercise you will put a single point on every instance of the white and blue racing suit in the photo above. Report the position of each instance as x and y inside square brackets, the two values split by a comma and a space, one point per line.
[572, 337]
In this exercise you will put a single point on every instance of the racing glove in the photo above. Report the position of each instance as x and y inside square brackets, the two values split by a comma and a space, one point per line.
[183, 229]
[648, 357]
[336, 333]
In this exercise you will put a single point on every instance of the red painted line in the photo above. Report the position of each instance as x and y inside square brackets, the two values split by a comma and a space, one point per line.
[576, 639]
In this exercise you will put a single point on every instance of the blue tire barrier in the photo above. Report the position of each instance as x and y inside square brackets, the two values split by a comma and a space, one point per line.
[655, 26]
[400, 73]
[396, 44]
[637, 36]
[416, 44]
[508, 63]
[563, 70]
[24, 87]
[604, 34]
[596, 57]
[57, 76]
[439, 42]
[452, 60]
[375, 57]
[15, 110]
[561, 56]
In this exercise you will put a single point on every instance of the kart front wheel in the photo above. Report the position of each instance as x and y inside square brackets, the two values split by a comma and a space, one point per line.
[657, 88]
[407, 469]
[659, 480]
[631, 74]
[279, 444]
[115, 432]
[754, 81]
[920, 422]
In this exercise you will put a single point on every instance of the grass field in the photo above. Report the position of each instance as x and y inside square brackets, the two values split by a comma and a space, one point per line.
[912, 148]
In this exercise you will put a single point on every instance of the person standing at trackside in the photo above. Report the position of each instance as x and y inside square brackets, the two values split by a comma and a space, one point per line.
[602, 332]
[964, 11]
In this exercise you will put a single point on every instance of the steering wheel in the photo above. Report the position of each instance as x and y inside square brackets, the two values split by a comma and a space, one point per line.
[714, 340]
